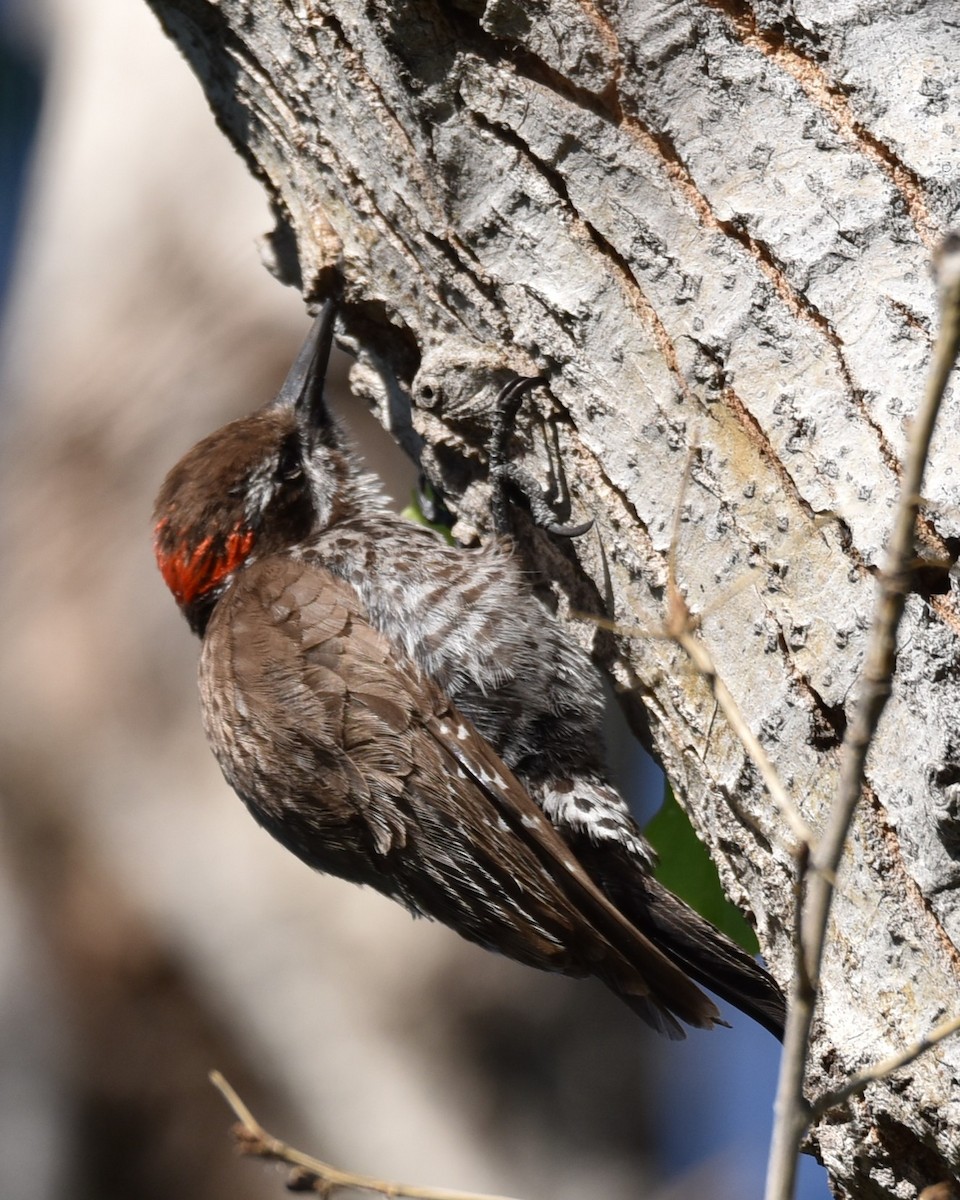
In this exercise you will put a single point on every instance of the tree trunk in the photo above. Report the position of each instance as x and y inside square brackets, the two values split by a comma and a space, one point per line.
[708, 227]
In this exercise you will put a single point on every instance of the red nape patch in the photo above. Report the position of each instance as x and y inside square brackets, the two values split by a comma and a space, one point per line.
[190, 573]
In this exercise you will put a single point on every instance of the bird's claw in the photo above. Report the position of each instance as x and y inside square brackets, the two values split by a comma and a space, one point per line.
[505, 475]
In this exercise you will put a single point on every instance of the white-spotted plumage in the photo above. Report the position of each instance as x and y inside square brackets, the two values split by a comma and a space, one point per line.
[405, 714]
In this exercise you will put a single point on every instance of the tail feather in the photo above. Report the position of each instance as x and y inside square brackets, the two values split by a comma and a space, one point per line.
[711, 958]
[690, 941]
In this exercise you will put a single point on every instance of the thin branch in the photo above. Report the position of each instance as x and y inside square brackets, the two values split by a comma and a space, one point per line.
[792, 1111]
[683, 634]
[680, 627]
[862, 1080]
[311, 1174]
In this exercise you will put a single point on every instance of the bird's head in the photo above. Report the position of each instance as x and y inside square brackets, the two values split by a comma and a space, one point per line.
[259, 485]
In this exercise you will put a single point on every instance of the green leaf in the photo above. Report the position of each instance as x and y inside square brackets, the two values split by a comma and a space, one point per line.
[413, 512]
[687, 870]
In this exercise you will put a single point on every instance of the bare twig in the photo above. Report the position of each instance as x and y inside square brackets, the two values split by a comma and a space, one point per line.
[681, 629]
[683, 632]
[793, 1114]
[311, 1174]
[859, 1082]
[680, 626]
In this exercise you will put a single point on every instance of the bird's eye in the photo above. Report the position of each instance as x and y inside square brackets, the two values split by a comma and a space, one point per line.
[290, 465]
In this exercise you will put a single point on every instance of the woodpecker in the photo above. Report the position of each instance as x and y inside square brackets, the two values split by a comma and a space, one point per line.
[405, 714]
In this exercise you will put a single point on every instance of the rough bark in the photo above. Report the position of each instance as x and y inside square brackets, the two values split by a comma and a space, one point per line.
[707, 225]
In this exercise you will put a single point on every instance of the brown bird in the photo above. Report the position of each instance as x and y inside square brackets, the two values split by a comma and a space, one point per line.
[405, 714]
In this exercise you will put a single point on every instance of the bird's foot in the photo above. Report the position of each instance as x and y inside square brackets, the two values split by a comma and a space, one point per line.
[508, 479]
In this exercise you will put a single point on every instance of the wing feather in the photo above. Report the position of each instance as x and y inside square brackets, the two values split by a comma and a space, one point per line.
[356, 760]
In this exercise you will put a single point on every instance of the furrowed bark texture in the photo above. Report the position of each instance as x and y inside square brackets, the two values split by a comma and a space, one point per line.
[707, 225]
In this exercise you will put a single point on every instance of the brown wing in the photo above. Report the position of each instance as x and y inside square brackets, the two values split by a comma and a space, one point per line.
[356, 761]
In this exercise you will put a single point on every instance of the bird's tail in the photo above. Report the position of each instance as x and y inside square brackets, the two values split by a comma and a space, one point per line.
[706, 954]
[689, 940]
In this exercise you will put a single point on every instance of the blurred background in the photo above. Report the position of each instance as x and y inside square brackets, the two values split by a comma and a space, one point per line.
[149, 931]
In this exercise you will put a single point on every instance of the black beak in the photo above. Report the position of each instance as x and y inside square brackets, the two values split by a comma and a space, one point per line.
[303, 387]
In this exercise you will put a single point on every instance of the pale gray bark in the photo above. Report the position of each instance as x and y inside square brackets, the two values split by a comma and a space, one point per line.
[707, 225]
